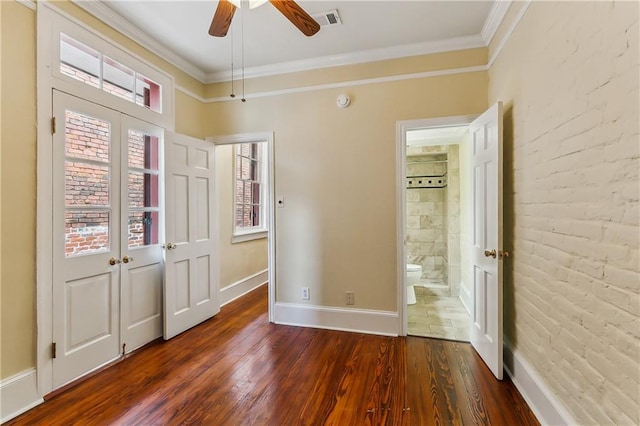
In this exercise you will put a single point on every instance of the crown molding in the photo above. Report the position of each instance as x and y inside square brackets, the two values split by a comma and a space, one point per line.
[496, 15]
[394, 52]
[117, 22]
[524, 6]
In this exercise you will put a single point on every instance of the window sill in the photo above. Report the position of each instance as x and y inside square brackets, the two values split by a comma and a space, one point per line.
[250, 236]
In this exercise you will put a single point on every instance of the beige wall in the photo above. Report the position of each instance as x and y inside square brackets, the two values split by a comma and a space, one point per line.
[18, 171]
[336, 169]
[240, 260]
[18, 180]
[569, 79]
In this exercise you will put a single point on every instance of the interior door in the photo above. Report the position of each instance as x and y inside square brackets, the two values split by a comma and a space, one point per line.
[487, 251]
[142, 259]
[86, 237]
[190, 290]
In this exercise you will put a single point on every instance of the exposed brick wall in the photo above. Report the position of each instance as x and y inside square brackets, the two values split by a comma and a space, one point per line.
[86, 184]
[569, 79]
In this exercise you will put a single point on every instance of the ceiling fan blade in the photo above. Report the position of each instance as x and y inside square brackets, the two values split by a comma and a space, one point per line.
[222, 19]
[298, 17]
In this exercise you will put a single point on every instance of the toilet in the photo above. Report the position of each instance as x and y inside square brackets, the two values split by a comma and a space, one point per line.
[414, 273]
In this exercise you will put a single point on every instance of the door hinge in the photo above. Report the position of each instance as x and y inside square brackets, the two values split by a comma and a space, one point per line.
[53, 350]
[53, 125]
[124, 349]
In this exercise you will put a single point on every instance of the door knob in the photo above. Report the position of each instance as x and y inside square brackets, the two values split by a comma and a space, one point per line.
[170, 246]
[113, 261]
[491, 253]
[127, 259]
[503, 254]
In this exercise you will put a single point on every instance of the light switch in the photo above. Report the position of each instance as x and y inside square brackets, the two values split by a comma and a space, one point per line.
[280, 201]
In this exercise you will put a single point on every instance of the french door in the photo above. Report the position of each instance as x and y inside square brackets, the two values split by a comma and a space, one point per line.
[107, 236]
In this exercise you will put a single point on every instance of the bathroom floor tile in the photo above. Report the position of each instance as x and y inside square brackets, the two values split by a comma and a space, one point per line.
[438, 316]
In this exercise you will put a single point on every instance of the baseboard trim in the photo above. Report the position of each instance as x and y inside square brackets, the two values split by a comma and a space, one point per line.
[18, 394]
[242, 287]
[384, 323]
[542, 402]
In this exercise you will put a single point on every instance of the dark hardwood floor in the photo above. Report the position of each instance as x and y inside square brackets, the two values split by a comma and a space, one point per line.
[237, 369]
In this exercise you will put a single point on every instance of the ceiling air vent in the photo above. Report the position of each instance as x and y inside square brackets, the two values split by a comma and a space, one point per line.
[327, 18]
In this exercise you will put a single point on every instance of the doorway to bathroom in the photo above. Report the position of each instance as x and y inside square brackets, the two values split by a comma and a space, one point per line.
[436, 207]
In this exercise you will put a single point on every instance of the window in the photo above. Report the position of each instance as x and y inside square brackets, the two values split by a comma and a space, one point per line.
[249, 192]
[95, 69]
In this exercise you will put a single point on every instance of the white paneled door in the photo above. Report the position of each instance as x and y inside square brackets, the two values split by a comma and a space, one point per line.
[487, 253]
[142, 235]
[107, 223]
[190, 290]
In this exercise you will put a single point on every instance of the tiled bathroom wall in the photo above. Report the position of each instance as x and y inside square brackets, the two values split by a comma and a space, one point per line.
[426, 216]
[453, 219]
[433, 218]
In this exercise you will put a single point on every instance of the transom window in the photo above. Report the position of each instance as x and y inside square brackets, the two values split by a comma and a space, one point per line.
[95, 69]
[249, 191]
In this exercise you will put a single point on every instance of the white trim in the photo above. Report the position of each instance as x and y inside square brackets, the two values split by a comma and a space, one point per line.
[355, 320]
[249, 236]
[240, 234]
[31, 4]
[524, 6]
[539, 398]
[18, 394]
[401, 200]
[190, 93]
[358, 57]
[243, 286]
[342, 84]
[267, 137]
[494, 19]
[117, 22]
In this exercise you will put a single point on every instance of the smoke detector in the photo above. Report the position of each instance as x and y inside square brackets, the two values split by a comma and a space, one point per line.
[327, 18]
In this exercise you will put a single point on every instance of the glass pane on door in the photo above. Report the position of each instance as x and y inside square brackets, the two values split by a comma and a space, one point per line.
[143, 185]
[87, 172]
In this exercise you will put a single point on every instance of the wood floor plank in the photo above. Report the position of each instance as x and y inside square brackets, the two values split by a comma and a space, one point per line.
[238, 369]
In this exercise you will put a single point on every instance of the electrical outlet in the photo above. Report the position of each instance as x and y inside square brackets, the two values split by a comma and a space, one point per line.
[305, 293]
[350, 298]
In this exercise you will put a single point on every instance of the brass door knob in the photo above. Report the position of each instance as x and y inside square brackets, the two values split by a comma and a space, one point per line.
[127, 259]
[171, 246]
[491, 253]
[113, 261]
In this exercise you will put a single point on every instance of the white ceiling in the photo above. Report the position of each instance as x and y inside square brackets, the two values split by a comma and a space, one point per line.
[370, 30]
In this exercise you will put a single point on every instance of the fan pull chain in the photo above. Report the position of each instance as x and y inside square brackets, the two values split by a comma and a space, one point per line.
[233, 95]
[242, 50]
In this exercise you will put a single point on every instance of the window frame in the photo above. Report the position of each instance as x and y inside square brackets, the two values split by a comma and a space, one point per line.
[59, 24]
[242, 234]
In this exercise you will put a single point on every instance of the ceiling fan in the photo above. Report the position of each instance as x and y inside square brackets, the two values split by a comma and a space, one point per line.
[289, 8]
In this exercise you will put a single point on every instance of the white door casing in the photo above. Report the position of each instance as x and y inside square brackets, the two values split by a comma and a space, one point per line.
[190, 290]
[487, 252]
[142, 232]
[86, 237]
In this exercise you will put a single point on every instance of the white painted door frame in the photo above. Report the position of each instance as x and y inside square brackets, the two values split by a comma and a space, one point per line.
[271, 234]
[402, 127]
